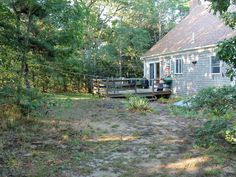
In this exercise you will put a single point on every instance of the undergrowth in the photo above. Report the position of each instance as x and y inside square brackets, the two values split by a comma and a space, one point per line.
[215, 106]
[217, 101]
[17, 103]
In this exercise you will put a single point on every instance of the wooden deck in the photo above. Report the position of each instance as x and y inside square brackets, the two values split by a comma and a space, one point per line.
[121, 88]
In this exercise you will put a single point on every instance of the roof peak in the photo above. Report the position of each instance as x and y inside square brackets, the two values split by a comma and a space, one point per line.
[200, 28]
[195, 3]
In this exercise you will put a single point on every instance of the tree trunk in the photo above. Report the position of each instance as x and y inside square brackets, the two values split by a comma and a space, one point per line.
[64, 86]
[25, 67]
[25, 71]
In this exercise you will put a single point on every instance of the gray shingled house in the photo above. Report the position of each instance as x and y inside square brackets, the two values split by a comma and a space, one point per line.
[187, 52]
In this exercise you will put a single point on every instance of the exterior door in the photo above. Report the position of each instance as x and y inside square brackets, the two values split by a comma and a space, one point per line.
[151, 73]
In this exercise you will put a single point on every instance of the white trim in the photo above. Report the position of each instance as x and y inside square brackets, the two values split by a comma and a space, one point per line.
[144, 68]
[179, 52]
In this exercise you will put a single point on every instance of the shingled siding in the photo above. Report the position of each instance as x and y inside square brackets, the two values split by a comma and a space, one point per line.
[196, 76]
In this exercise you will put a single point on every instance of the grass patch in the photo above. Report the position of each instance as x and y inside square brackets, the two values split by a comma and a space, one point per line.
[171, 100]
[183, 112]
[75, 96]
[212, 172]
[115, 126]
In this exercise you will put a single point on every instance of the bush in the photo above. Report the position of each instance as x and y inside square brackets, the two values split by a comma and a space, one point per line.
[215, 132]
[136, 103]
[211, 133]
[215, 100]
[22, 102]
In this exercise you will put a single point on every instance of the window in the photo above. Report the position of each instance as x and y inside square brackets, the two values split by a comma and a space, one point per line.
[178, 66]
[215, 65]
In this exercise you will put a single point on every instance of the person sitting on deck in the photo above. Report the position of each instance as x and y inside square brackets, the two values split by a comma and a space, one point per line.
[160, 84]
[132, 83]
[145, 83]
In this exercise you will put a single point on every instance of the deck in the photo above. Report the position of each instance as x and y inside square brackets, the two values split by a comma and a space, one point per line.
[121, 88]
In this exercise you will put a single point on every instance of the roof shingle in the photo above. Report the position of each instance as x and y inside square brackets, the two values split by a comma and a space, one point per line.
[200, 28]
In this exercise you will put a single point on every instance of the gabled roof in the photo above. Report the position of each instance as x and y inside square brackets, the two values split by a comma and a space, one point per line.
[199, 29]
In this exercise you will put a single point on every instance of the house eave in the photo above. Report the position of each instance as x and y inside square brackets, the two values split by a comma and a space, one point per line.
[177, 52]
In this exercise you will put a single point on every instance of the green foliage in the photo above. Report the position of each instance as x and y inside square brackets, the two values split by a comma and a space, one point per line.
[183, 112]
[215, 100]
[136, 103]
[226, 48]
[212, 133]
[215, 132]
[230, 135]
[226, 52]
[39, 35]
[23, 102]
[220, 103]
[164, 100]
[58, 46]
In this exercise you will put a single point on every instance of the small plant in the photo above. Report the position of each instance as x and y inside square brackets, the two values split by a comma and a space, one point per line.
[230, 135]
[136, 103]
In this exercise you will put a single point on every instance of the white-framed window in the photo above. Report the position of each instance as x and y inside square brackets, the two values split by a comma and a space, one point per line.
[215, 65]
[179, 66]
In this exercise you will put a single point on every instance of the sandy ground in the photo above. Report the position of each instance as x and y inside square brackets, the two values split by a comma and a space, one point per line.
[122, 143]
[102, 138]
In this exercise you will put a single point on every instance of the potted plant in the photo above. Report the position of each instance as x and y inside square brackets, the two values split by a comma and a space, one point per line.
[167, 80]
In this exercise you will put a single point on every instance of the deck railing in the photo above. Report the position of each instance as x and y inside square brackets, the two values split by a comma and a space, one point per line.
[116, 86]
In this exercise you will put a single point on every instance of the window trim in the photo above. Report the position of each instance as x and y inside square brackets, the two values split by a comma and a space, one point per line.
[182, 68]
[220, 66]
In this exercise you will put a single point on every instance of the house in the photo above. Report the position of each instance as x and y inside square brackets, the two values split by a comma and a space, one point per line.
[188, 52]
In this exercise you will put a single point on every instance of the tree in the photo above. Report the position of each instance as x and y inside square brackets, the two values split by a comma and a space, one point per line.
[118, 32]
[227, 48]
[60, 45]
[39, 31]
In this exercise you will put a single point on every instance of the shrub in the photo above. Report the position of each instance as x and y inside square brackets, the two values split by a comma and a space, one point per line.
[215, 100]
[26, 102]
[136, 103]
[211, 133]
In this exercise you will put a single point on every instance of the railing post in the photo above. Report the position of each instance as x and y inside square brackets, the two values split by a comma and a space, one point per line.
[152, 85]
[135, 86]
[95, 85]
[107, 86]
